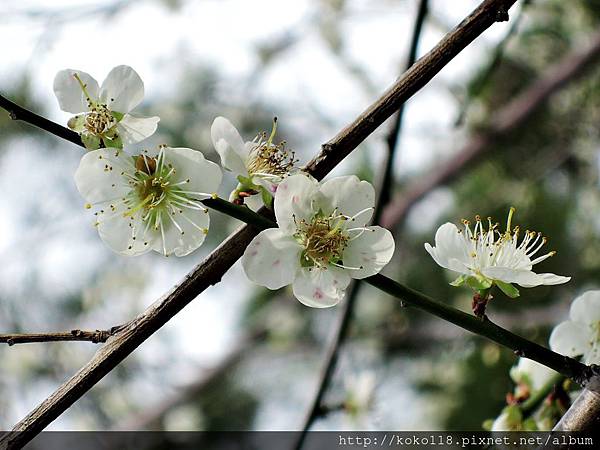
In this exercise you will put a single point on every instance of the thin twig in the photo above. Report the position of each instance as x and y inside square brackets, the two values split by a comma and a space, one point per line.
[223, 257]
[95, 337]
[386, 182]
[507, 119]
[493, 64]
[17, 112]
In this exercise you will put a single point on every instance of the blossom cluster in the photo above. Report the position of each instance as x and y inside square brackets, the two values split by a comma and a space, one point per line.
[154, 200]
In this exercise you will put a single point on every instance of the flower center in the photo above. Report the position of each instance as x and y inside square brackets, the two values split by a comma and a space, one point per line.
[99, 120]
[491, 247]
[156, 195]
[324, 239]
[267, 159]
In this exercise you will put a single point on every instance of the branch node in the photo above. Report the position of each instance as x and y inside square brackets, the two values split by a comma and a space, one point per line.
[502, 15]
[13, 115]
[10, 342]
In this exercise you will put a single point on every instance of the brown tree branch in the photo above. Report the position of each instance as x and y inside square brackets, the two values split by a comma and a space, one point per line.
[17, 112]
[510, 117]
[584, 413]
[223, 257]
[95, 337]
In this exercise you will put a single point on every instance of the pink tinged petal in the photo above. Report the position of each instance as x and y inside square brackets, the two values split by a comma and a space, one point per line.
[135, 129]
[69, 93]
[99, 177]
[295, 200]
[586, 308]
[184, 230]
[371, 251]
[570, 339]
[350, 196]
[272, 259]
[205, 176]
[122, 90]
[229, 145]
[320, 288]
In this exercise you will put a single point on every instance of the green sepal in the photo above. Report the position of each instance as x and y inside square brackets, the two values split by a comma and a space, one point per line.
[245, 183]
[113, 142]
[508, 289]
[459, 281]
[117, 115]
[530, 425]
[514, 415]
[91, 141]
[267, 198]
[478, 283]
[76, 123]
[487, 425]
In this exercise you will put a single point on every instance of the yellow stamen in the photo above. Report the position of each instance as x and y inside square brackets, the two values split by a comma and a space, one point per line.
[149, 198]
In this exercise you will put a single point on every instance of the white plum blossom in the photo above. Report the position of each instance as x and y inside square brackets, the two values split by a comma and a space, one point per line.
[103, 111]
[322, 240]
[148, 202]
[580, 336]
[260, 165]
[486, 256]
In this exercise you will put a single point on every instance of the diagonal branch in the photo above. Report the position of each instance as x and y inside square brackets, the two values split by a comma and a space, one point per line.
[211, 270]
[507, 119]
[17, 112]
[584, 413]
[385, 186]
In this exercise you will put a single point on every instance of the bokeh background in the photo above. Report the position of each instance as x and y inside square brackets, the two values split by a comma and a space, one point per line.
[239, 356]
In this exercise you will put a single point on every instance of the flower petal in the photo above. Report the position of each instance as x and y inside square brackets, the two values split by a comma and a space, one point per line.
[122, 90]
[229, 145]
[69, 93]
[135, 129]
[205, 176]
[183, 231]
[294, 201]
[350, 196]
[450, 251]
[123, 234]
[99, 177]
[272, 259]
[570, 339]
[523, 278]
[371, 251]
[320, 288]
[586, 308]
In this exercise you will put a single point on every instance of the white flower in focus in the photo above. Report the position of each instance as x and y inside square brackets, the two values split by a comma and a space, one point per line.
[322, 241]
[103, 111]
[148, 203]
[580, 336]
[260, 165]
[485, 257]
[532, 374]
